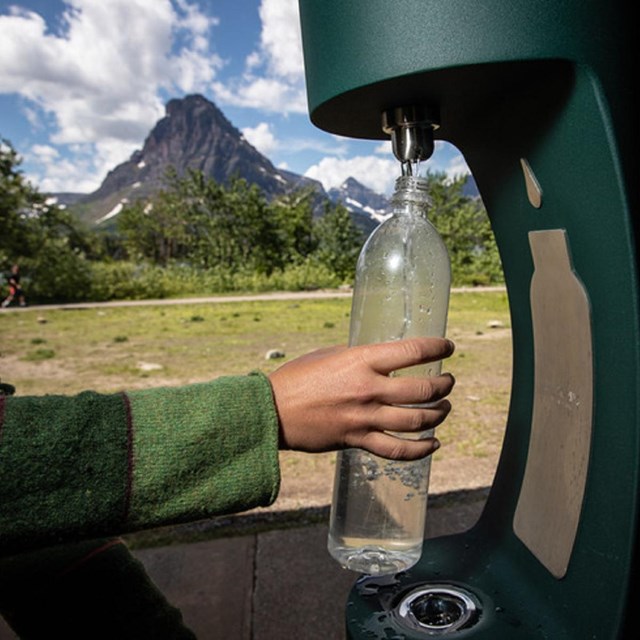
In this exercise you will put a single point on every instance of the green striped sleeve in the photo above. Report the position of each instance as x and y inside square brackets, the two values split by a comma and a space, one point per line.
[202, 450]
[63, 467]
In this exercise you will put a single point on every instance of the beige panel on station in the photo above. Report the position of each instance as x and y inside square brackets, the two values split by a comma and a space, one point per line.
[548, 511]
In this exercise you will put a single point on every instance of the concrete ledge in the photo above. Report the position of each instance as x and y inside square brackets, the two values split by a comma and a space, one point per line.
[266, 575]
[260, 576]
[259, 521]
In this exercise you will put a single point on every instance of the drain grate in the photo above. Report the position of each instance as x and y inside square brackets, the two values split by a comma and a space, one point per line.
[438, 609]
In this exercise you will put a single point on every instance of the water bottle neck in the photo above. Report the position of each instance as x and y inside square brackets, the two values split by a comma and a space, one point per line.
[411, 196]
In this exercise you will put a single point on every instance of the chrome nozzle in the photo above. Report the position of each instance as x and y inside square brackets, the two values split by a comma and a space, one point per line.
[411, 130]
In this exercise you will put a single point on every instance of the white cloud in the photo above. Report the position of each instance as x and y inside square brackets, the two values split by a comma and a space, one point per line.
[274, 74]
[44, 152]
[82, 171]
[447, 159]
[261, 137]
[281, 39]
[57, 174]
[379, 174]
[268, 94]
[331, 144]
[195, 23]
[458, 167]
[109, 153]
[100, 78]
[384, 148]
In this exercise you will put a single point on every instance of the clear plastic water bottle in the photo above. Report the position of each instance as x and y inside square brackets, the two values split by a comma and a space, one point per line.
[402, 285]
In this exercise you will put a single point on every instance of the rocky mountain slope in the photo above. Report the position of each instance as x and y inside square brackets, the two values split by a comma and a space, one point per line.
[195, 134]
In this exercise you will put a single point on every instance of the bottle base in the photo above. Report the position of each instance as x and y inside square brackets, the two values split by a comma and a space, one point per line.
[374, 561]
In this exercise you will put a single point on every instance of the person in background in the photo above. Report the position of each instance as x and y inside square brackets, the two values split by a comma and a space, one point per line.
[15, 289]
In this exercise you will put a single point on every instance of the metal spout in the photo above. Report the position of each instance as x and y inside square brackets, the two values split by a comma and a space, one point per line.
[411, 130]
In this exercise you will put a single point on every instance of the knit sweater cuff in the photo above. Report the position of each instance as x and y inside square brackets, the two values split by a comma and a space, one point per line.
[203, 449]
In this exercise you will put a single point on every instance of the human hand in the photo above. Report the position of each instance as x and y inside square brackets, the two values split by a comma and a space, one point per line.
[343, 397]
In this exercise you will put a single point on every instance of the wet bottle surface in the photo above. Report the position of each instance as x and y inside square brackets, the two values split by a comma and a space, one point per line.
[401, 290]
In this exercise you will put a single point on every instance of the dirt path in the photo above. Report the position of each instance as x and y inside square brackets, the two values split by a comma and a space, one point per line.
[278, 295]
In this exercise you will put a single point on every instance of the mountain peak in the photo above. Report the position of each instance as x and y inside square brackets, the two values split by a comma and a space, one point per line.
[189, 101]
[363, 202]
[195, 134]
[350, 183]
[196, 105]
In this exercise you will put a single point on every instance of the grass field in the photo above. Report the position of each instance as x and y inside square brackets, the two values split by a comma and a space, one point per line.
[59, 351]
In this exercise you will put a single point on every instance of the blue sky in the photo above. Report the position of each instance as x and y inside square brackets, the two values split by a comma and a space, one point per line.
[82, 82]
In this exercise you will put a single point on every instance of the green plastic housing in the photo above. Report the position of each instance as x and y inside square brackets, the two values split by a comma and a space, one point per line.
[550, 81]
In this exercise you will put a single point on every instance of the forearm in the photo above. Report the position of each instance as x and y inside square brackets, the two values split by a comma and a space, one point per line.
[94, 465]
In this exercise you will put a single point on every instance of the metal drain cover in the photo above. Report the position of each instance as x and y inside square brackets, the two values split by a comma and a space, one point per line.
[438, 609]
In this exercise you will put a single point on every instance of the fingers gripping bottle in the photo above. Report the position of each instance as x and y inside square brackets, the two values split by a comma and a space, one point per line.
[401, 290]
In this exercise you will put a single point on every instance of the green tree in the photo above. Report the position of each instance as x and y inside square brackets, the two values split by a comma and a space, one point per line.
[43, 239]
[209, 225]
[293, 217]
[339, 241]
[254, 234]
[466, 230]
[19, 204]
[229, 228]
[156, 230]
[206, 218]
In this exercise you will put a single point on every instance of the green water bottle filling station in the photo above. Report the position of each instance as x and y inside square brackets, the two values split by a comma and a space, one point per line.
[538, 96]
